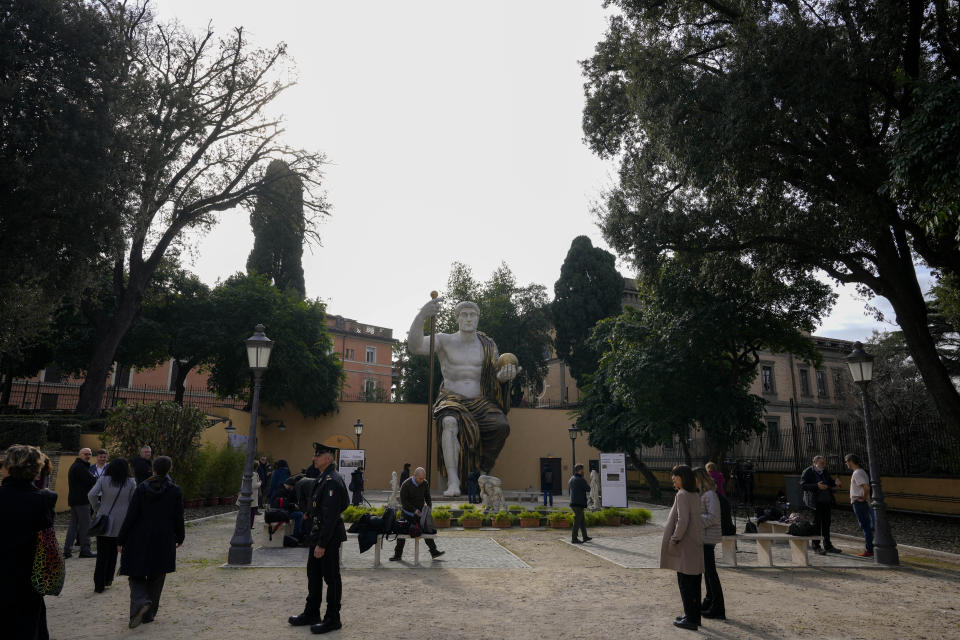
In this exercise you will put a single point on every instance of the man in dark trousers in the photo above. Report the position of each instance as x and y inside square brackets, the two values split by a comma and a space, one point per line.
[546, 484]
[80, 481]
[414, 494]
[328, 501]
[817, 485]
[142, 466]
[579, 488]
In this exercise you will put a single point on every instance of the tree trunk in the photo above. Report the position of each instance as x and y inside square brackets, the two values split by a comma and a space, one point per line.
[652, 482]
[182, 371]
[90, 400]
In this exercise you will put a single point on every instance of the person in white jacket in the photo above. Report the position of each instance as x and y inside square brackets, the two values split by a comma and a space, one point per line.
[254, 492]
[712, 606]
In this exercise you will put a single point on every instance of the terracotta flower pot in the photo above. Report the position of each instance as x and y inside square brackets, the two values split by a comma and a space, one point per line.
[441, 523]
[211, 502]
[560, 524]
[614, 521]
[471, 523]
[529, 522]
[502, 524]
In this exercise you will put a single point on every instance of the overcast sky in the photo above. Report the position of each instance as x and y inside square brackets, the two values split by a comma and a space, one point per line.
[453, 133]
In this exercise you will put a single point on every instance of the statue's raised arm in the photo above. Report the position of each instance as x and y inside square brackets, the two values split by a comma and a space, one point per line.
[417, 342]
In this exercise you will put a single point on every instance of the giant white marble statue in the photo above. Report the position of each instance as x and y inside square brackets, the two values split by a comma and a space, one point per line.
[470, 411]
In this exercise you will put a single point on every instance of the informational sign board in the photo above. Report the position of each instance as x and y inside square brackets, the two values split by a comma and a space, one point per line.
[350, 459]
[613, 480]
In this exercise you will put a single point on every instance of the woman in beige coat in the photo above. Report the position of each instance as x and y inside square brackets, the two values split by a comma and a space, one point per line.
[682, 547]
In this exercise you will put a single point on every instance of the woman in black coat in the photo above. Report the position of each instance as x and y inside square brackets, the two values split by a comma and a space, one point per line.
[26, 510]
[148, 540]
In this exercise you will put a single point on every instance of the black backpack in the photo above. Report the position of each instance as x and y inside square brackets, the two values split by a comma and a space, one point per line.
[750, 527]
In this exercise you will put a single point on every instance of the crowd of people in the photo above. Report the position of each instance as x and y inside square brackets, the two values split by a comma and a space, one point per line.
[138, 515]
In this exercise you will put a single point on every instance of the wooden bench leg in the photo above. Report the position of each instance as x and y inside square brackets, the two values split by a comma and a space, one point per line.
[764, 553]
[416, 552]
[798, 548]
[376, 551]
[730, 552]
[765, 527]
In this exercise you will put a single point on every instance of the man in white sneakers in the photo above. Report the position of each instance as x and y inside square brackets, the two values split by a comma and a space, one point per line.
[860, 499]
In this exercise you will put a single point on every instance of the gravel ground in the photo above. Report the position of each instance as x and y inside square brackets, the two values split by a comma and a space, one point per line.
[941, 533]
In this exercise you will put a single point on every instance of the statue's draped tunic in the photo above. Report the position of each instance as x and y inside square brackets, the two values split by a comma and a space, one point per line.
[482, 420]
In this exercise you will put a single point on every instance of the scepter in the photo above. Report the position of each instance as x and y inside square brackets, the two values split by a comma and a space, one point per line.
[433, 333]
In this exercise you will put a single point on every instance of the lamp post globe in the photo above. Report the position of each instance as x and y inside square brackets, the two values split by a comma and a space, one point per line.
[358, 429]
[885, 551]
[259, 347]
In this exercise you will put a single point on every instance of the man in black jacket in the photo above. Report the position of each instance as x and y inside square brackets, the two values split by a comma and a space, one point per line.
[327, 503]
[579, 488]
[142, 466]
[80, 481]
[414, 497]
[817, 485]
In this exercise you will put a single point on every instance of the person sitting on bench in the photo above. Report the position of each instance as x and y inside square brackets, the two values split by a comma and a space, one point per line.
[414, 494]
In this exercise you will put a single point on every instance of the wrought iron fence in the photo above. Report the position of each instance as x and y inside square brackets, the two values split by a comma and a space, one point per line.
[923, 448]
[50, 396]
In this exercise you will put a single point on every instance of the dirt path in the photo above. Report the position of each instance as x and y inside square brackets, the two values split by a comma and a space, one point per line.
[566, 593]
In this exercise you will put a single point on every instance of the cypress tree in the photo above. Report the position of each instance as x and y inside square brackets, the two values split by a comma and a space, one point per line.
[278, 228]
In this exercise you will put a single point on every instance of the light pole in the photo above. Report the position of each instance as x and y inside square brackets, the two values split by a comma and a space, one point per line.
[884, 546]
[358, 429]
[258, 356]
[574, 432]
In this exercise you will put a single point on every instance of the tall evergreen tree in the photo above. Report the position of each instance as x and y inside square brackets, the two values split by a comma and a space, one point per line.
[278, 229]
[589, 290]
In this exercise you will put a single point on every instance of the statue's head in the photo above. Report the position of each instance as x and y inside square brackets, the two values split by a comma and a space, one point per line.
[468, 315]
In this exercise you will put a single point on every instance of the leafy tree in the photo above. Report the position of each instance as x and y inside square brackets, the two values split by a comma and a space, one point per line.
[192, 112]
[795, 135]
[414, 373]
[303, 371]
[897, 393]
[169, 428]
[589, 289]
[61, 172]
[279, 229]
[686, 358]
[517, 318]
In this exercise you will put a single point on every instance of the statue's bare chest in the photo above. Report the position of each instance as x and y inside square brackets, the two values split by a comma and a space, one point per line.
[464, 353]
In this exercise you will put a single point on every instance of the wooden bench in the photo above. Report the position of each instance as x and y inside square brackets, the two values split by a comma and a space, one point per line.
[798, 547]
[277, 541]
[772, 526]
[416, 547]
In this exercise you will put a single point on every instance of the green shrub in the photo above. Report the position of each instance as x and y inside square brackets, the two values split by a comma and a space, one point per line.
[352, 513]
[514, 508]
[228, 465]
[502, 515]
[636, 516]
[188, 474]
[594, 518]
[70, 437]
[440, 513]
[209, 480]
[23, 431]
[558, 516]
[528, 514]
[169, 428]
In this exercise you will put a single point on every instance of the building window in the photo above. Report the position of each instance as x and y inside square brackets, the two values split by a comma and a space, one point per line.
[821, 383]
[369, 386]
[348, 354]
[371, 354]
[52, 375]
[123, 377]
[773, 434]
[829, 437]
[805, 382]
[766, 379]
[809, 432]
[838, 383]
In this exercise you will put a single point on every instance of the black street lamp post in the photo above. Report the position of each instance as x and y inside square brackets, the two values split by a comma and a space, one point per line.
[358, 429]
[241, 544]
[884, 546]
[574, 432]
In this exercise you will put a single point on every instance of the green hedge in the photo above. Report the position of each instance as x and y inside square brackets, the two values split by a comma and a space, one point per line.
[70, 437]
[23, 431]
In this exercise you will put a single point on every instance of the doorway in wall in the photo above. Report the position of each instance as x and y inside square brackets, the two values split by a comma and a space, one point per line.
[554, 465]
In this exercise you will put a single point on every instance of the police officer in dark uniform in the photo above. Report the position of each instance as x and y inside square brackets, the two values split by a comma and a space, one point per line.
[327, 502]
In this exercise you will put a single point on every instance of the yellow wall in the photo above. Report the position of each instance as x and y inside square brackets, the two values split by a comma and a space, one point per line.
[396, 433]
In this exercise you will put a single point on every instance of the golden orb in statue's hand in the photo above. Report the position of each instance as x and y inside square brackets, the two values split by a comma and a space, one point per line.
[505, 359]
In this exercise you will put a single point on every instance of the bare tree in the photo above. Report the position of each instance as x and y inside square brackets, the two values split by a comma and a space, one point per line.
[198, 144]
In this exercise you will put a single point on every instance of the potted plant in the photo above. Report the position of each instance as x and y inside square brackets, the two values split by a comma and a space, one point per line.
[529, 519]
[611, 516]
[502, 520]
[471, 518]
[560, 519]
[441, 517]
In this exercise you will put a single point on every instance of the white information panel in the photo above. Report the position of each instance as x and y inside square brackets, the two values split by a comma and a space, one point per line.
[350, 459]
[613, 480]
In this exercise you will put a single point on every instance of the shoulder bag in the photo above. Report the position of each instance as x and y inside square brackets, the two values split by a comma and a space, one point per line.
[101, 523]
[48, 569]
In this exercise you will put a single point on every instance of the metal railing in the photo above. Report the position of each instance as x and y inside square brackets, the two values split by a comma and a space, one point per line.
[49, 396]
[923, 448]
